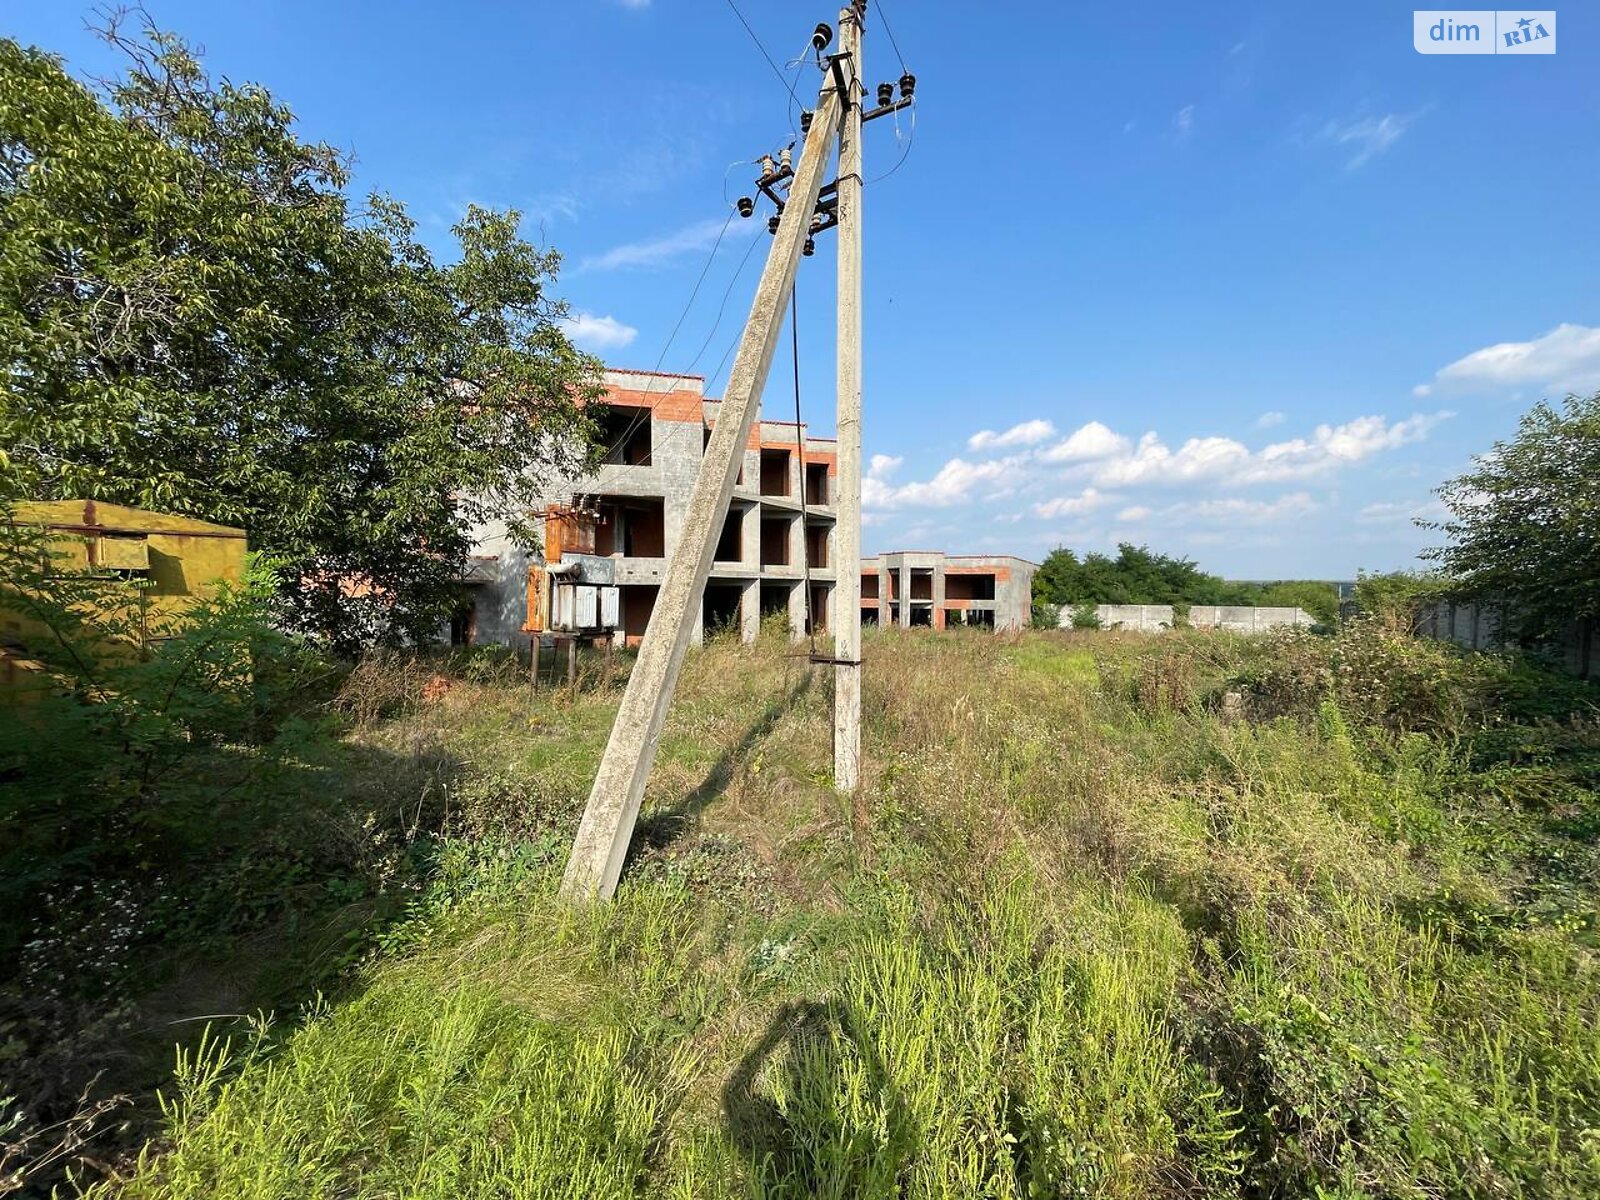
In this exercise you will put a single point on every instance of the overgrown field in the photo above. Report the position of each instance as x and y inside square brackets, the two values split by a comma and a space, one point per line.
[1176, 916]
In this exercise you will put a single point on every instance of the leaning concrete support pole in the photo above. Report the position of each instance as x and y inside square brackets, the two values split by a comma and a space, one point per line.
[607, 826]
[847, 591]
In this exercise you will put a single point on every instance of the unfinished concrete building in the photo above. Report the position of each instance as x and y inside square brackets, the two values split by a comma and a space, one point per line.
[927, 588]
[655, 432]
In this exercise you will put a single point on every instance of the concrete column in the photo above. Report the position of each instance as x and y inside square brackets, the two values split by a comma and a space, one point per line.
[601, 844]
[750, 612]
[797, 611]
[697, 635]
[846, 629]
[938, 596]
[750, 536]
[904, 588]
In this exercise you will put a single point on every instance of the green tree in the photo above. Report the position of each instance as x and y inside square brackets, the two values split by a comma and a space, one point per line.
[195, 317]
[1321, 600]
[1524, 525]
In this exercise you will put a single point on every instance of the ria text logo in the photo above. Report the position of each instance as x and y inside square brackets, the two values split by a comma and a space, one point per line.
[1484, 31]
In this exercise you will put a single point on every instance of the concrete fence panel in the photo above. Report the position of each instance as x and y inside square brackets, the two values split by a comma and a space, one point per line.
[1153, 618]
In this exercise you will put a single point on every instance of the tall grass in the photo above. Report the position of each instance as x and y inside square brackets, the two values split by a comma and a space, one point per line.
[1084, 934]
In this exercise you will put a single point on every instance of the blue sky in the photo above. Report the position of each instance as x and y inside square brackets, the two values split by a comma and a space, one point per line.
[1241, 282]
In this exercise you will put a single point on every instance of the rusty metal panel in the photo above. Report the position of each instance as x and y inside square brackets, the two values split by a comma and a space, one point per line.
[567, 531]
[538, 601]
[122, 553]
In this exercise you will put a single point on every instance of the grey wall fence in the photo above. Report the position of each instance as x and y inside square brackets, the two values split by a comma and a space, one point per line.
[1234, 618]
[1478, 627]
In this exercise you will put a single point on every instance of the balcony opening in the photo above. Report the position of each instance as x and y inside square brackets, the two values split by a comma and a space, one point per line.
[869, 615]
[921, 614]
[817, 546]
[819, 608]
[976, 618]
[817, 485]
[775, 473]
[638, 602]
[632, 528]
[775, 541]
[869, 585]
[968, 587]
[775, 595]
[922, 585]
[720, 608]
[625, 433]
[730, 546]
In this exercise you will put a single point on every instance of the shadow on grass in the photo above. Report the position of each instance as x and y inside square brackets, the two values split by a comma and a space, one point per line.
[663, 826]
[814, 1111]
[261, 889]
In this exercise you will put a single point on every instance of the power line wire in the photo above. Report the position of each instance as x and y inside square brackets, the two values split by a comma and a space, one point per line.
[800, 447]
[723, 308]
[883, 18]
[787, 83]
[909, 139]
[645, 413]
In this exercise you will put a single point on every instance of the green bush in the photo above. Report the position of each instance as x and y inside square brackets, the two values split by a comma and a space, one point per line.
[1085, 616]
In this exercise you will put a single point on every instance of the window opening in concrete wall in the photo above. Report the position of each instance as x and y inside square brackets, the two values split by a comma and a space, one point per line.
[730, 546]
[721, 607]
[625, 432]
[775, 541]
[775, 473]
[817, 484]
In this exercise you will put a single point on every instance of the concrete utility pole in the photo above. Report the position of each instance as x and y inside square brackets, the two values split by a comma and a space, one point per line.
[847, 588]
[608, 820]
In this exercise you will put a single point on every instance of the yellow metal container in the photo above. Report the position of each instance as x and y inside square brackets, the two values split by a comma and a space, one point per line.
[176, 561]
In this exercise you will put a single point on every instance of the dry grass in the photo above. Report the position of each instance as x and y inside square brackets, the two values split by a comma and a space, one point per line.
[1079, 936]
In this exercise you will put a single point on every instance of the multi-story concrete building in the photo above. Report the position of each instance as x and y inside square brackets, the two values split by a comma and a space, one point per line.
[655, 432]
[925, 587]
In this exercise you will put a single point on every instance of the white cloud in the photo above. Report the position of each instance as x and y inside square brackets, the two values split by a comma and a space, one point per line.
[881, 466]
[952, 484]
[1333, 446]
[1368, 136]
[1071, 506]
[1086, 444]
[1236, 511]
[1183, 121]
[655, 252]
[1269, 419]
[598, 333]
[1565, 359]
[1226, 460]
[1153, 462]
[1025, 434]
[1101, 464]
[1422, 391]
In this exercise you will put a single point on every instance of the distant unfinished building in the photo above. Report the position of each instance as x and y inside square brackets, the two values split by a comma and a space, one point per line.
[924, 587]
[655, 432]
